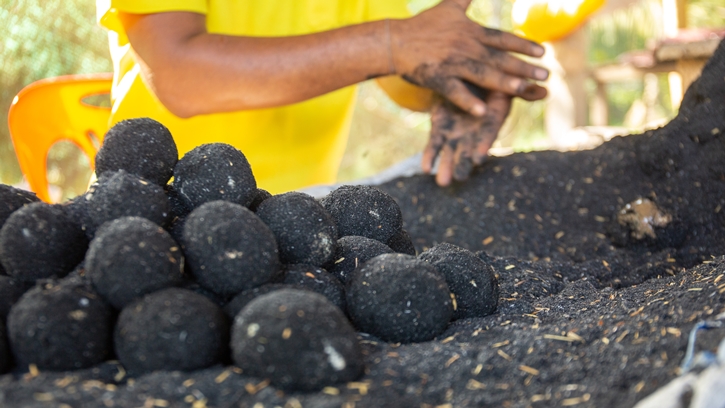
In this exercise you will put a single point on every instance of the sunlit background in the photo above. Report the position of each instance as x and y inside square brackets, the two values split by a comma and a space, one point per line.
[42, 39]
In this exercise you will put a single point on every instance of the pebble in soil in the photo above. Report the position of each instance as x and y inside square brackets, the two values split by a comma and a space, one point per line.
[470, 279]
[172, 329]
[402, 243]
[351, 252]
[365, 211]
[121, 194]
[297, 339]
[131, 257]
[228, 248]
[60, 325]
[41, 241]
[214, 171]
[317, 280]
[142, 146]
[304, 230]
[399, 299]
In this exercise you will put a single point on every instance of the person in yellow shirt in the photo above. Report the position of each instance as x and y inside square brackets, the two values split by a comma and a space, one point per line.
[275, 78]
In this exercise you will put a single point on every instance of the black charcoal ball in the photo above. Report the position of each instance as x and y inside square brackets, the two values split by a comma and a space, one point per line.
[259, 199]
[351, 252]
[297, 339]
[399, 299]
[41, 241]
[213, 172]
[243, 298]
[472, 281]
[122, 194]
[11, 290]
[364, 211]
[304, 230]
[13, 199]
[228, 248]
[176, 203]
[317, 280]
[172, 329]
[401, 243]
[142, 146]
[61, 325]
[131, 257]
[6, 360]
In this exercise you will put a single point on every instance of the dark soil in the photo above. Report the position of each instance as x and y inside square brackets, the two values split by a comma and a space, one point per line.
[588, 315]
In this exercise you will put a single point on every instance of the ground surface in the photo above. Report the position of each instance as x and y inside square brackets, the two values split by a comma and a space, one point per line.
[588, 315]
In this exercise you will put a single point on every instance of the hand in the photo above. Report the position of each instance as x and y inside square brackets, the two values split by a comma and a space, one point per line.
[460, 139]
[441, 48]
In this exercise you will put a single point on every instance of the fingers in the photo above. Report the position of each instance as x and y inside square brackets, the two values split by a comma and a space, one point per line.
[500, 106]
[509, 64]
[462, 162]
[509, 42]
[445, 166]
[435, 143]
[458, 94]
[487, 77]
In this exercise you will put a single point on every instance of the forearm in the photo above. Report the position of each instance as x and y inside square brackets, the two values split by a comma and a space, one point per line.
[193, 72]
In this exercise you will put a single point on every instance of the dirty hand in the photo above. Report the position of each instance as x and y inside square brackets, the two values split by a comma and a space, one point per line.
[441, 47]
[460, 139]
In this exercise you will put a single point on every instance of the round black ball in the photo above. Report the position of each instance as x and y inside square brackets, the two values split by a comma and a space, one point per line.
[401, 243]
[243, 298]
[317, 280]
[41, 241]
[59, 326]
[10, 291]
[13, 199]
[351, 252]
[122, 194]
[304, 230]
[6, 360]
[213, 172]
[297, 339]
[399, 299]
[228, 248]
[472, 281]
[364, 211]
[259, 198]
[131, 257]
[142, 146]
[172, 329]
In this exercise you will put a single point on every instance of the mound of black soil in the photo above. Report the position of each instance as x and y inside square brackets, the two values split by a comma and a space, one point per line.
[596, 298]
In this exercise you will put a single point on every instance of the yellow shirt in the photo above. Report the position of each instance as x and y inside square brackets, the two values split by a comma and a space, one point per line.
[288, 147]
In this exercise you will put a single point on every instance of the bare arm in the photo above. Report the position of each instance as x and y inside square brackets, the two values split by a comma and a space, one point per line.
[195, 72]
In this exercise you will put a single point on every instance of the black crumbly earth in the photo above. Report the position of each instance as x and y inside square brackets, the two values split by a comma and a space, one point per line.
[351, 252]
[172, 329]
[41, 241]
[304, 230]
[122, 194]
[142, 146]
[471, 280]
[228, 248]
[581, 321]
[131, 257]
[60, 325]
[317, 280]
[364, 211]
[214, 171]
[402, 243]
[298, 339]
[399, 299]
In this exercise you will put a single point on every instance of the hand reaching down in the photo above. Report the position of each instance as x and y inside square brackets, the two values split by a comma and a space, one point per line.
[461, 140]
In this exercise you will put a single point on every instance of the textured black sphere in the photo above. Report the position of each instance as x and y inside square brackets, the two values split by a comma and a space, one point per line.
[59, 326]
[317, 280]
[131, 257]
[122, 194]
[11, 290]
[259, 198]
[351, 252]
[172, 329]
[304, 230]
[12, 199]
[401, 243]
[399, 299]
[298, 339]
[243, 298]
[6, 360]
[213, 172]
[472, 281]
[228, 248]
[41, 241]
[142, 146]
[364, 211]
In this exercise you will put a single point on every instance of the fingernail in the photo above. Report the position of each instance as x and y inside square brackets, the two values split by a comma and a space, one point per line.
[538, 50]
[516, 85]
[541, 74]
[478, 110]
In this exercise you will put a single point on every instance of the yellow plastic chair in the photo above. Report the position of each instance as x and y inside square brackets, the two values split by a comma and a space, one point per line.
[50, 110]
[551, 20]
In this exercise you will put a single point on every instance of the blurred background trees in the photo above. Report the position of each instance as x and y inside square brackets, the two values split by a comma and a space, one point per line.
[43, 39]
